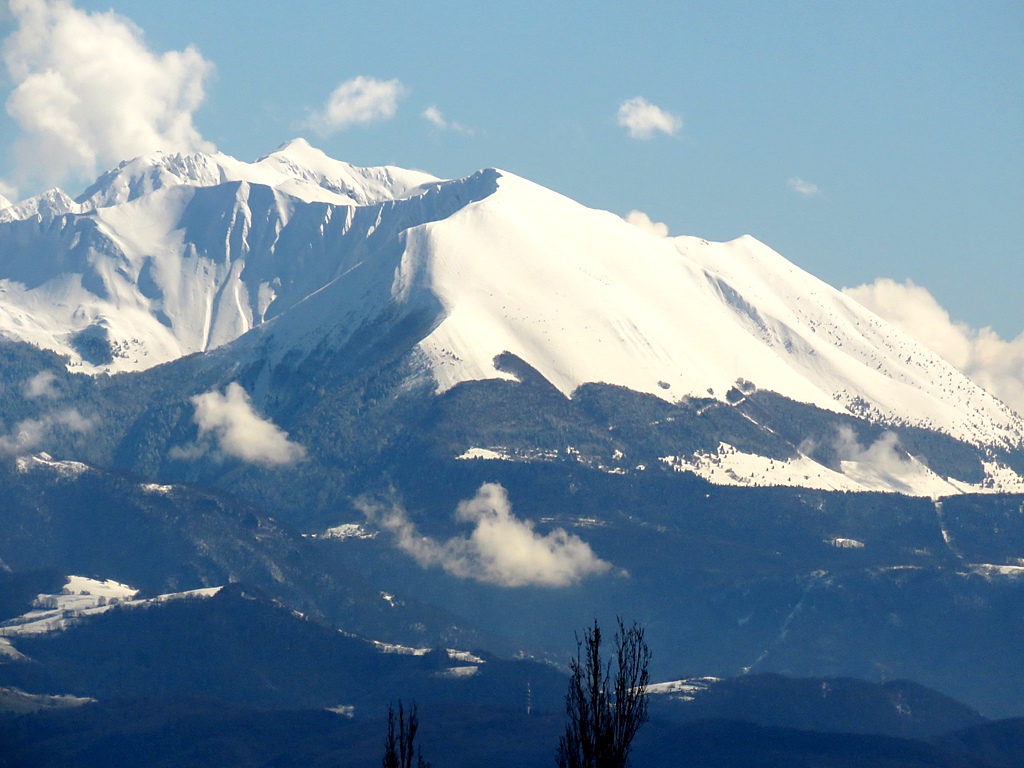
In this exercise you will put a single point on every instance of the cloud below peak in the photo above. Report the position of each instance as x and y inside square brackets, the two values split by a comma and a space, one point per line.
[643, 120]
[501, 549]
[231, 421]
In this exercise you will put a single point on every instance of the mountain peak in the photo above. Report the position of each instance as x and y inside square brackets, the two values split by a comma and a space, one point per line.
[493, 264]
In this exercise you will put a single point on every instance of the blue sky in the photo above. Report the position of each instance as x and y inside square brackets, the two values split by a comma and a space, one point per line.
[902, 123]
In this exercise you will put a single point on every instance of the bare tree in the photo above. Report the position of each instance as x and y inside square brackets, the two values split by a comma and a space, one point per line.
[606, 702]
[400, 746]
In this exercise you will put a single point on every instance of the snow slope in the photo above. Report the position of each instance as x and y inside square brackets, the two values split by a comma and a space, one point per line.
[169, 255]
[584, 297]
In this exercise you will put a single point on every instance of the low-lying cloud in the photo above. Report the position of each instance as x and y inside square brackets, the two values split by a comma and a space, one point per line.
[31, 434]
[359, 101]
[989, 361]
[883, 455]
[41, 385]
[643, 221]
[230, 422]
[86, 91]
[502, 549]
[642, 120]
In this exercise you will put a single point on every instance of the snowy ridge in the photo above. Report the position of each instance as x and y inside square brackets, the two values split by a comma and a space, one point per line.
[584, 297]
[169, 255]
[295, 169]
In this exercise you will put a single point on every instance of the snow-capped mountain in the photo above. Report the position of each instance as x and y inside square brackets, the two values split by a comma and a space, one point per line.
[169, 255]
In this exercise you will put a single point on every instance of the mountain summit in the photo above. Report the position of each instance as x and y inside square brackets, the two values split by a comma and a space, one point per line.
[169, 255]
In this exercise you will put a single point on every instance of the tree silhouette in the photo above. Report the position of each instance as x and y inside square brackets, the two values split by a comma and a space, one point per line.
[606, 702]
[400, 746]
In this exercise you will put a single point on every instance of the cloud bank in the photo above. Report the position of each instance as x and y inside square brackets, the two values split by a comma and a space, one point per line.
[502, 549]
[988, 360]
[642, 220]
[642, 120]
[230, 421]
[359, 101]
[88, 91]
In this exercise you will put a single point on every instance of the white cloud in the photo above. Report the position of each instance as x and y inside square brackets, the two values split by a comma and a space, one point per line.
[991, 362]
[881, 465]
[359, 101]
[805, 188]
[238, 430]
[41, 385]
[642, 119]
[434, 116]
[883, 454]
[30, 434]
[502, 549]
[88, 91]
[642, 220]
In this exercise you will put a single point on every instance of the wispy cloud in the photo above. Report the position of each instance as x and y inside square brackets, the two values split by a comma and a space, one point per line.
[86, 90]
[642, 120]
[436, 118]
[884, 454]
[30, 434]
[643, 221]
[991, 362]
[359, 101]
[882, 464]
[501, 549]
[805, 188]
[231, 422]
[41, 385]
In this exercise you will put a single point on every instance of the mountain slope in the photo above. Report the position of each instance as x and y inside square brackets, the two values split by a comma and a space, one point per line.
[168, 255]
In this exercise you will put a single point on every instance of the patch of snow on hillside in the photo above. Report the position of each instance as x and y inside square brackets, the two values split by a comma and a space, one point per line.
[402, 650]
[345, 531]
[989, 571]
[465, 656]
[80, 598]
[486, 453]
[66, 469]
[730, 466]
[840, 543]
[686, 689]
[8, 651]
[458, 673]
[999, 478]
